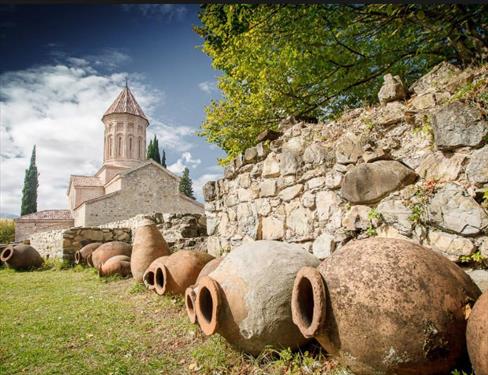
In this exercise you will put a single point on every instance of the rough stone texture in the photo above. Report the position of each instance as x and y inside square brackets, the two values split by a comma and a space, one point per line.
[356, 218]
[437, 166]
[349, 149]
[181, 231]
[480, 278]
[477, 169]
[323, 246]
[64, 243]
[394, 212]
[453, 210]
[299, 186]
[367, 183]
[392, 89]
[436, 79]
[42, 221]
[457, 125]
[450, 245]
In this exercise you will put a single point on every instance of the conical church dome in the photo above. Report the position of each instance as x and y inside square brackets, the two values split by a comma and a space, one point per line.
[126, 103]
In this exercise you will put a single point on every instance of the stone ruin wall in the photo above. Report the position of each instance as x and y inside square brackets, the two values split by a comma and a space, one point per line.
[181, 231]
[413, 169]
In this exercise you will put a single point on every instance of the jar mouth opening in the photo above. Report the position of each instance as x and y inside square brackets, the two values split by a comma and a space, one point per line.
[160, 279]
[190, 297]
[208, 303]
[309, 302]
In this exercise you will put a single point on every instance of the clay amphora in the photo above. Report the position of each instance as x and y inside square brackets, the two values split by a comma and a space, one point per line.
[116, 265]
[148, 277]
[247, 297]
[179, 271]
[190, 292]
[21, 257]
[386, 306]
[108, 250]
[83, 256]
[148, 245]
[477, 335]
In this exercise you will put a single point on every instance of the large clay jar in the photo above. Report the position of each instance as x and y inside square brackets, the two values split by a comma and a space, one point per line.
[247, 297]
[116, 265]
[386, 306]
[149, 275]
[179, 271]
[21, 257]
[83, 256]
[148, 245]
[477, 335]
[190, 292]
[108, 250]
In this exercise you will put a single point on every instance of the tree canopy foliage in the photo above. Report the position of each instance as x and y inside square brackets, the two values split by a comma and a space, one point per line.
[31, 183]
[313, 61]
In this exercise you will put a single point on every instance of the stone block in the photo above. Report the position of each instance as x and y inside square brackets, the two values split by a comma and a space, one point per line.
[458, 125]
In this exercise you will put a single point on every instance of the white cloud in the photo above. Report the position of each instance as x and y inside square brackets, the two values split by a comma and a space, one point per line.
[171, 136]
[59, 108]
[185, 161]
[168, 12]
[207, 87]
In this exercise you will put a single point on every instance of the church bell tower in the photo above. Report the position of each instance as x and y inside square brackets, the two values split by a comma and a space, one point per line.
[125, 132]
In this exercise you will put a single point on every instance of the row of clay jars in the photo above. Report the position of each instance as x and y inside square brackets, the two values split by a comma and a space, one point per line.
[246, 299]
[116, 265]
[178, 271]
[108, 250]
[191, 291]
[21, 257]
[386, 306]
[83, 256]
[148, 245]
[477, 335]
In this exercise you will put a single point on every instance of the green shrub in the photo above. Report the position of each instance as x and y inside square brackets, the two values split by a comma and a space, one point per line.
[7, 230]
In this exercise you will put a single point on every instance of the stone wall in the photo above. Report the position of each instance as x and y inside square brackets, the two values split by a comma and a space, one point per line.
[149, 188]
[181, 231]
[413, 168]
[64, 243]
[25, 228]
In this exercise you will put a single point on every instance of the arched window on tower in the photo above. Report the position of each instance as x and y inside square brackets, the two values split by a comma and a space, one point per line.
[119, 145]
[109, 146]
[139, 148]
[131, 154]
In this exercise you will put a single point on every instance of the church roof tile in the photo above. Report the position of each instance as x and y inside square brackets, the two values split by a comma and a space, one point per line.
[126, 103]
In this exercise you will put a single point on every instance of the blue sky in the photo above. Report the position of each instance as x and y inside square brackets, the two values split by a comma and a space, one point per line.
[62, 66]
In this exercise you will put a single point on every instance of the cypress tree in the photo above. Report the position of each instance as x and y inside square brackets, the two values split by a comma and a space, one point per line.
[156, 156]
[150, 151]
[186, 184]
[29, 191]
[163, 159]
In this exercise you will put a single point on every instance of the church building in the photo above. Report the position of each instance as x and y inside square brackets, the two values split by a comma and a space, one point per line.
[127, 184]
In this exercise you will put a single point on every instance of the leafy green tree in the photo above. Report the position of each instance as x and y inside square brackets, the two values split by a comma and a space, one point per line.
[163, 159]
[31, 183]
[313, 61]
[153, 150]
[186, 184]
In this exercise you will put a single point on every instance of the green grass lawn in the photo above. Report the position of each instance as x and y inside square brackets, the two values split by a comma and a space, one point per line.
[71, 322]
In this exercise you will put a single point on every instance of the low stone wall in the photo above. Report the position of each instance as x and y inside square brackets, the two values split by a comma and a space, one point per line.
[64, 243]
[181, 231]
[412, 168]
